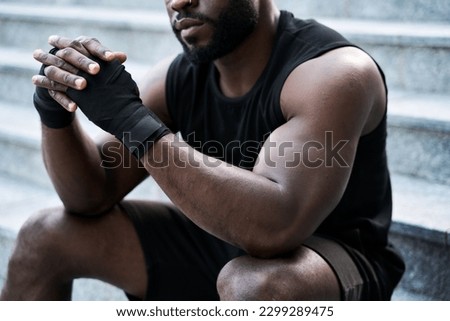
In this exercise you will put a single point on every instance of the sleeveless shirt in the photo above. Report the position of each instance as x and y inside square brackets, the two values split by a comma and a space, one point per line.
[234, 129]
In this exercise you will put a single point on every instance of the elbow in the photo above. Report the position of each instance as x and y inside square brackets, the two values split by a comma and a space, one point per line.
[87, 208]
[268, 251]
[275, 238]
[264, 252]
[90, 200]
[272, 245]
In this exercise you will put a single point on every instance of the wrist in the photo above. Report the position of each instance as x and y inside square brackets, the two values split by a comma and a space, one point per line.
[51, 113]
[141, 138]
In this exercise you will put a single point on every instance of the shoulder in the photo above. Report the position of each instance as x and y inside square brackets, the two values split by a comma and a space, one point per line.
[343, 81]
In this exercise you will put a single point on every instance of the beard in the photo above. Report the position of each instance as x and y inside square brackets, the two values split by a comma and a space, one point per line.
[231, 28]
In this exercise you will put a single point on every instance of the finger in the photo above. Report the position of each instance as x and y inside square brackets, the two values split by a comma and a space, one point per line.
[78, 60]
[98, 50]
[63, 100]
[52, 60]
[65, 78]
[44, 82]
[74, 52]
[63, 42]
[87, 46]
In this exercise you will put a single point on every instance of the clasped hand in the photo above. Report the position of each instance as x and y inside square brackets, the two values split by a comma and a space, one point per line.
[63, 67]
[83, 73]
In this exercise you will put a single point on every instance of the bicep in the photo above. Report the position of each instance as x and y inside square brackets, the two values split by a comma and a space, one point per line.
[312, 166]
[311, 156]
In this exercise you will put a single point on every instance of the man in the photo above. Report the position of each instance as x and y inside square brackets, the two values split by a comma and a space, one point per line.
[280, 192]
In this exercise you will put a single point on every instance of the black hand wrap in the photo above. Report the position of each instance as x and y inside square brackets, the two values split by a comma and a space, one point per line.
[111, 101]
[52, 114]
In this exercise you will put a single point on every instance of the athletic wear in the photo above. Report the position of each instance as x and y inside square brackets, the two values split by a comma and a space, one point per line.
[184, 261]
[233, 130]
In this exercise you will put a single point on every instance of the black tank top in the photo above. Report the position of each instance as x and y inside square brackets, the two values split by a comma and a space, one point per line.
[234, 129]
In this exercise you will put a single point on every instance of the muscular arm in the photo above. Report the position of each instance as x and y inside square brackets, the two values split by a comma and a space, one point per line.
[283, 200]
[74, 163]
[91, 177]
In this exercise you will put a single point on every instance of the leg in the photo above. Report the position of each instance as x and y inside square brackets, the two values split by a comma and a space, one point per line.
[301, 275]
[54, 247]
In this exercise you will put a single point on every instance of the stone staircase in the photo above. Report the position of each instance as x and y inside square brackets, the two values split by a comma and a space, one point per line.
[410, 39]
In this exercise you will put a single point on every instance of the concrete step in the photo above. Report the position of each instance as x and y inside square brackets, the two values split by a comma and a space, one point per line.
[397, 10]
[16, 70]
[421, 232]
[419, 135]
[406, 10]
[144, 35]
[413, 55]
[20, 143]
[143, 5]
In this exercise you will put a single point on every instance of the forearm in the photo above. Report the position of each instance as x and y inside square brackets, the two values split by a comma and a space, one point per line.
[73, 163]
[236, 205]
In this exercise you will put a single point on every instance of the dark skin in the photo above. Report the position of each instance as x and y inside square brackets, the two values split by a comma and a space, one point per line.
[341, 92]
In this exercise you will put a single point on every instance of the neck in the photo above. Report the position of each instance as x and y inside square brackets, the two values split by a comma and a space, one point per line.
[240, 69]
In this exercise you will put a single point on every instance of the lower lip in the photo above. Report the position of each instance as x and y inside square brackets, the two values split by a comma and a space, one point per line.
[189, 32]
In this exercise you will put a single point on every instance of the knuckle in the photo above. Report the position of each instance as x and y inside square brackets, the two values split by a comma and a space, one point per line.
[52, 84]
[67, 78]
[50, 71]
[57, 97]
[59, 63]
[74, 43]
[93, 43]
[64, 53]
[82, 60]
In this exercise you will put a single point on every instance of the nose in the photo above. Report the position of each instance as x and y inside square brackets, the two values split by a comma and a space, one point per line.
[178, 5]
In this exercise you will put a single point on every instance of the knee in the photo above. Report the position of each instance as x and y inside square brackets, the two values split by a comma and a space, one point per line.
[39, 241]
[240, 280]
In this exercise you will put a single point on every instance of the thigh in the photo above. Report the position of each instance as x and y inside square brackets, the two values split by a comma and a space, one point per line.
[182, 260]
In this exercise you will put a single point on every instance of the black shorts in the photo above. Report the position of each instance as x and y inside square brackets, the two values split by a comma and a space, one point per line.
[183, 261]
